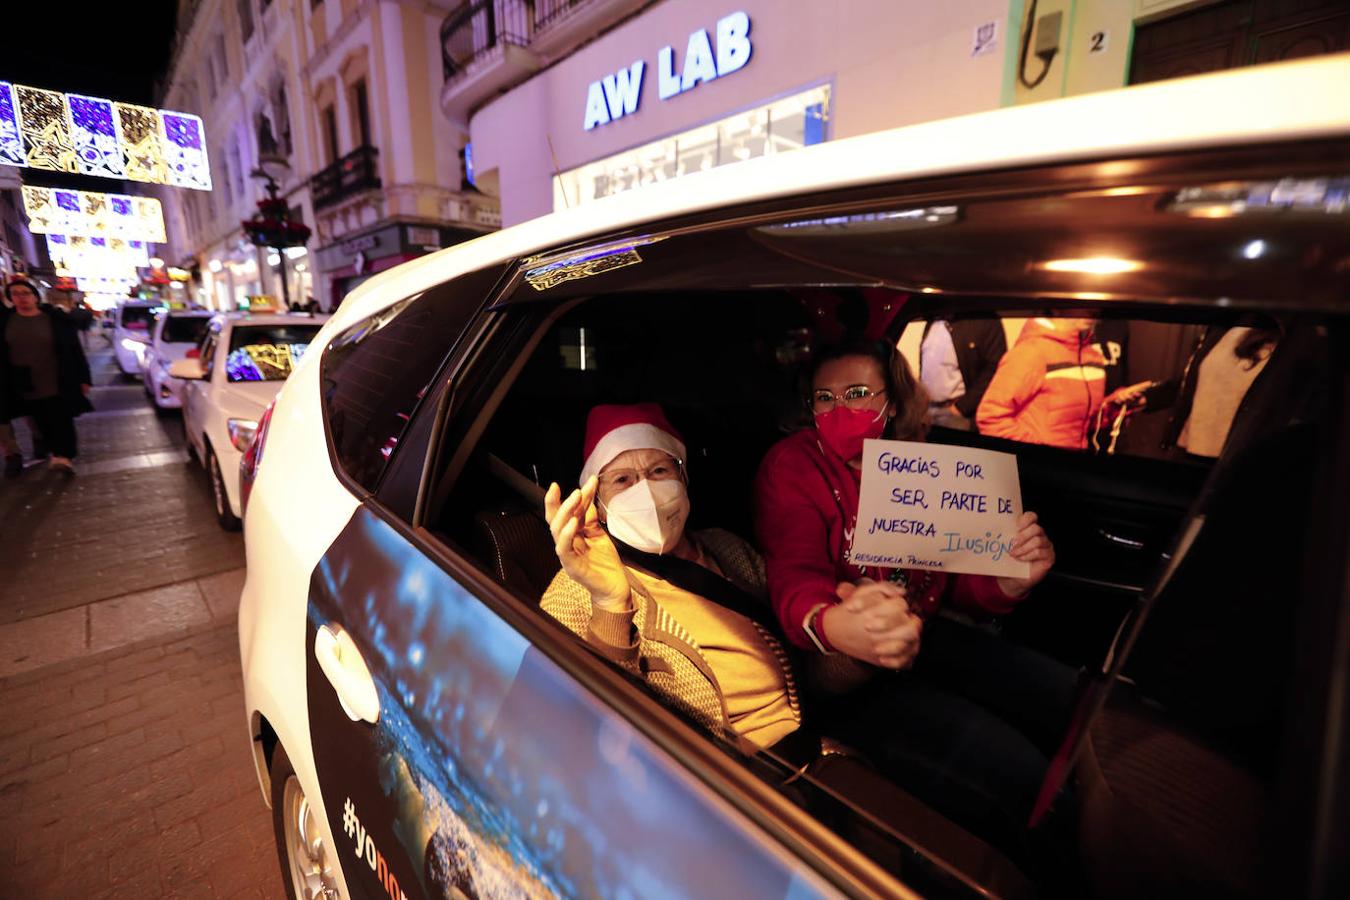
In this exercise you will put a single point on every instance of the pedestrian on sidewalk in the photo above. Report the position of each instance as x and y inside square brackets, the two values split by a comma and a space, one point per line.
[43, 371]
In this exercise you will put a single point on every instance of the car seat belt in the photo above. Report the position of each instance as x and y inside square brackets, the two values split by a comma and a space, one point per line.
[697, 580]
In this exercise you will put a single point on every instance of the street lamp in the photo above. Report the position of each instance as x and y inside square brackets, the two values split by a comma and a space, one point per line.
[272, 227]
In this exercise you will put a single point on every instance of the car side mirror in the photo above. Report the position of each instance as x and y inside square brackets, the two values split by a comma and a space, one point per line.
[187, 369]
[194, 353]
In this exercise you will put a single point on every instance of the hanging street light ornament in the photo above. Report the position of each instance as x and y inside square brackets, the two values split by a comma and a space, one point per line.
[273, 226]
[82, 135]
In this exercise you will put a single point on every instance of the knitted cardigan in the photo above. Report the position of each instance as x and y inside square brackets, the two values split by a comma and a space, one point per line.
[650, 643]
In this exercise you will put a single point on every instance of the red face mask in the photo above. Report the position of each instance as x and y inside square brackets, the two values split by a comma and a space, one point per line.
[843, 430]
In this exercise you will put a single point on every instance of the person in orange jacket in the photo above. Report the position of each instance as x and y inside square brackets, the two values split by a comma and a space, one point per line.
[1047, 387]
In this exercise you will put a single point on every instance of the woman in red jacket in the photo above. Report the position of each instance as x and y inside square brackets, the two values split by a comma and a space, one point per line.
[962, 717]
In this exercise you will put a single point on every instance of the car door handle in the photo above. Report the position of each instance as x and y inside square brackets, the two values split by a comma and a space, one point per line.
[344, 668]
[1119, 541]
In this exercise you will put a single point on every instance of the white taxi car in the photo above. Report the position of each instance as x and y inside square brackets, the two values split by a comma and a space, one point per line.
[132, 324]
[177, 333]
[422, 728]
[241, 363]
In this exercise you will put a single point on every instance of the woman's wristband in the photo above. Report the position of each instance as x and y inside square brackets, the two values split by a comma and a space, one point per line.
[811, 625]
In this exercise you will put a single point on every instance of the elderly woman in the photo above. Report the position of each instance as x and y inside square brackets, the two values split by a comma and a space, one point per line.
[960, 716]
[690, 630]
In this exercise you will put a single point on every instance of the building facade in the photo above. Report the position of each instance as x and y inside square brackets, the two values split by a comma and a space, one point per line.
[567, 101]
[18, 253]
[345, 91]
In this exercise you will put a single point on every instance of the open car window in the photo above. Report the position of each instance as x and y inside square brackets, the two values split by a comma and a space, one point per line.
[717, 325]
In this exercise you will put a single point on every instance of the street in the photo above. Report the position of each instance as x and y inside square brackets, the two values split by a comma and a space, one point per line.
[125, 768]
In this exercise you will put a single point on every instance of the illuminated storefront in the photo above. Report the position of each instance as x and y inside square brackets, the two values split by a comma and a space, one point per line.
[679, 88]
[565, 104]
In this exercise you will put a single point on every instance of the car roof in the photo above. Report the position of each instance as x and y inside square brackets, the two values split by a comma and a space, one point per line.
[1304, 99]
[190, 313]
[246, 318]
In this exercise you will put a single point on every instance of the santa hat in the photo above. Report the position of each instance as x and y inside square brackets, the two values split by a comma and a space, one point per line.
[613, 429]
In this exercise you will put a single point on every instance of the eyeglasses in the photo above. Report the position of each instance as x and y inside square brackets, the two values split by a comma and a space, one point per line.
[856, 396]
[667, 469]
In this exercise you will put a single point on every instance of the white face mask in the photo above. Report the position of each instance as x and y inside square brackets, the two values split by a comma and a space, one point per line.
[649, 516]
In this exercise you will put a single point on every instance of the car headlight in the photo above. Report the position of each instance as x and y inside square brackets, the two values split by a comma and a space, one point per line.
[133, 346]
[241, 432]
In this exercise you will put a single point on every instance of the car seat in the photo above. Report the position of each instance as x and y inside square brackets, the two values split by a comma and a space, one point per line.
[1176, 768]
[515, 541]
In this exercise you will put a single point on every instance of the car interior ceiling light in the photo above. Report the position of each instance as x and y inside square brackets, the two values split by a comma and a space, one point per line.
[1093, 265]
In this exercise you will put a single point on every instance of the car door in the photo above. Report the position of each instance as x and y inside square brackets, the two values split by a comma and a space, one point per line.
[197, 391]
[454, 757]
[152, 352]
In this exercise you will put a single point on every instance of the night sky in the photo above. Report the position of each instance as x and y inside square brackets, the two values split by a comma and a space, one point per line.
[117, 51]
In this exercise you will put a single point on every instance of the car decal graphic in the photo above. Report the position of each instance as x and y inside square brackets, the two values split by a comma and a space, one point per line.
[490, 771]
[263, 362]
[542, 275]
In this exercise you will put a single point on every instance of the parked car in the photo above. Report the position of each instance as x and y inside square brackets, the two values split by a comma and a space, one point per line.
[176, 334]
[132, 324]
[420, 727]
[242, 362]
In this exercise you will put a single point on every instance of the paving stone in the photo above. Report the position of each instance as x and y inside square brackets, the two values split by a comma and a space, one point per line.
[222, 592]
[167, 808]
[134, 617]
[33, 643]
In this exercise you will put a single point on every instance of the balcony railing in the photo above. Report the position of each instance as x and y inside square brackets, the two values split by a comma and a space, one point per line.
[546, 12]
[480, 27]
[357, 171]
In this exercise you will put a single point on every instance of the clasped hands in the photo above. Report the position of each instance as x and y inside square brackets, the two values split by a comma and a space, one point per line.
[873, 623]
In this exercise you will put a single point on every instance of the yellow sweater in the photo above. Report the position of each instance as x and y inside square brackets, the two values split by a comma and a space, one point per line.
[721, 667]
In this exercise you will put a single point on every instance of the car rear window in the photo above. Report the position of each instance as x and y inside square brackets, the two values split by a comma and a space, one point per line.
[267, 352]
[185, 329]
[139, 318]
[375, 372]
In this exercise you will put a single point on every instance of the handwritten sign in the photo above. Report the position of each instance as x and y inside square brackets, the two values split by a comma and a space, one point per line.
[934, 506]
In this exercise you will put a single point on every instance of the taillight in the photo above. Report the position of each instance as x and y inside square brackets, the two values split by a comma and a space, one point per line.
[248, 463]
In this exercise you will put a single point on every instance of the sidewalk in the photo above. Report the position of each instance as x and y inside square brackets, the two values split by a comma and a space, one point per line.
[127, 773]
[136, 518]
[87, 629]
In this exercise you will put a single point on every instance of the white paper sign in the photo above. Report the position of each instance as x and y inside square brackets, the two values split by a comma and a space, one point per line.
[935, 506]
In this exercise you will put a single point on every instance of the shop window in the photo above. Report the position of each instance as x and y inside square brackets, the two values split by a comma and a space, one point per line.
[246, 18]
[283, 116]
[330, 132]
[361, 110]
[236, 169]
[224, 181]
[786, 124]
[813, 131]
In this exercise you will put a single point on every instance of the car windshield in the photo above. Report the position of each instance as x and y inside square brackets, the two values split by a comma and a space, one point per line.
[138, 318]
[185, 329]
[267, 352]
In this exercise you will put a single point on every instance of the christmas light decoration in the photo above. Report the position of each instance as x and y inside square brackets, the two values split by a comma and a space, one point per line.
[103, 258]
[43, 126]
[88, 214]
[92, 136]
[185, 151]
[11, 144]
[141, 149]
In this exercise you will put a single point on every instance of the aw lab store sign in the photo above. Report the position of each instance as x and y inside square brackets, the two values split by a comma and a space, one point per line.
[706, 57]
